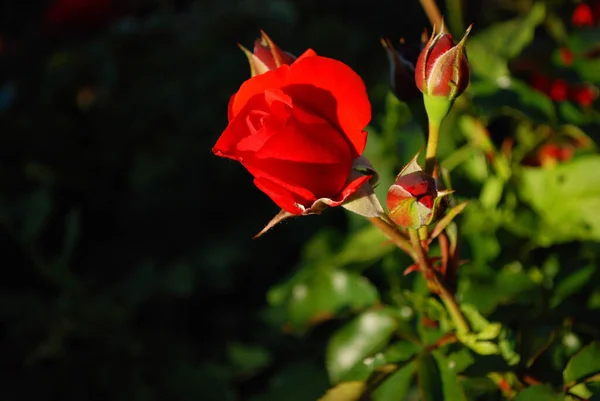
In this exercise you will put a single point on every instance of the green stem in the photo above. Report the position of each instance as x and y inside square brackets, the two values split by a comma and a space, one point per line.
[462, 327]
[432, 144]
[454, 9]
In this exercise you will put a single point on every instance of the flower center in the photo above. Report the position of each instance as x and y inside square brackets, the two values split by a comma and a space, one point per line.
[256, 120]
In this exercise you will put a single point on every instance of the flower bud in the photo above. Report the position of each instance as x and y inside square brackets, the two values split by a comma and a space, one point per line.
[402, 69]
[442, 67]
[415, 199]
[266, 56]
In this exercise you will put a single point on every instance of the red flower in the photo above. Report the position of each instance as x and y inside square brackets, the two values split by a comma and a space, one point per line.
[566, 56]
[540, 82]
[298, 130]
[442, 68]
[584, 95]
[551, 154]
[558, 90]
[582, 15]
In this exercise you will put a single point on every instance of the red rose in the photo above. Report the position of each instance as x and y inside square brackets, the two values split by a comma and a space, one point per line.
[558, 90]
[583, 15]
[299, 129]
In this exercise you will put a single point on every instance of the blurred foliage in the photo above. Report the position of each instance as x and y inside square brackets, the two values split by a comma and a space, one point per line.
[130, 272]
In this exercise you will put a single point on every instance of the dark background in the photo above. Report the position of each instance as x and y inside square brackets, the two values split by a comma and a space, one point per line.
[129, 269]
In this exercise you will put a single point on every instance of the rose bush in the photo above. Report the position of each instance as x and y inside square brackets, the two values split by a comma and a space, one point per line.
[299, 130]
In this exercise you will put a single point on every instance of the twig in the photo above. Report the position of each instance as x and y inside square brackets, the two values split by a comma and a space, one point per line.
[433, 12]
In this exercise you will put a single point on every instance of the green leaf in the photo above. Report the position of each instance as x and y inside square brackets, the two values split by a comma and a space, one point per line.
[315, 295]
[362, 247]
[584, 364]
[358, 340]
[539, 393]
[428, 378]
[248, 358]
[571, 284]
[566, 198]
[581, 41]
[515, 95]
[295, 381]
[29, 212]
[397, 385]
[461, 359]
[347, 391]
[401, 351]
[449, 370]
[490, 49]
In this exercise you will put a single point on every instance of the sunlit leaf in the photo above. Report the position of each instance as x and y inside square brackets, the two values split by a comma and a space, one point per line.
[359, 339]
[539, 393]
[584, 364]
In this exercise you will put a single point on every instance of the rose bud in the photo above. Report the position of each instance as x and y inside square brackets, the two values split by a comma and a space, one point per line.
[299, 131]
[402, 69]
[416, 199]
[442, 67]
[583, 15]
[584, 95]
[266, 55]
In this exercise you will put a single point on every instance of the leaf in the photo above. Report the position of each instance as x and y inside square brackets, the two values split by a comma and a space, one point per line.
[566, 198]
[428, 378]
[347, 391]
[295, 381]
[447, 219]
[364, 246]
[248, 358]
[584, 364]
[401, 351]
[29, 212]
[461, 359]
[539, 393]
[483, 329]
[571, 284]
[361, 248]
[521, 98]
[397, 385]
[582, 41]
[484, 347]
[360, 338]
[451, 385]
[72, 232]
[315, 295]
[490, 49]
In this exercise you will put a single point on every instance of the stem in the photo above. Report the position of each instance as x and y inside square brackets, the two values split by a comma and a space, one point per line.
[391, 231]
[454, 11]
[437, 285]
[432, 144]
[433, 12]
[462, 327]
[418, 247]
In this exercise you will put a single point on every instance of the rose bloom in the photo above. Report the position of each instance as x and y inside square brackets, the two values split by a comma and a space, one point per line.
[298, 129]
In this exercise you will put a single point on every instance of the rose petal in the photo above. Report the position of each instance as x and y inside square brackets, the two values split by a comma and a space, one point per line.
[237, 131]
[257, 85]
[308, 139]
[284, 199]
[307, 53]
[307, 181]
[347, 106]
[350, 189]
[351, 110]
